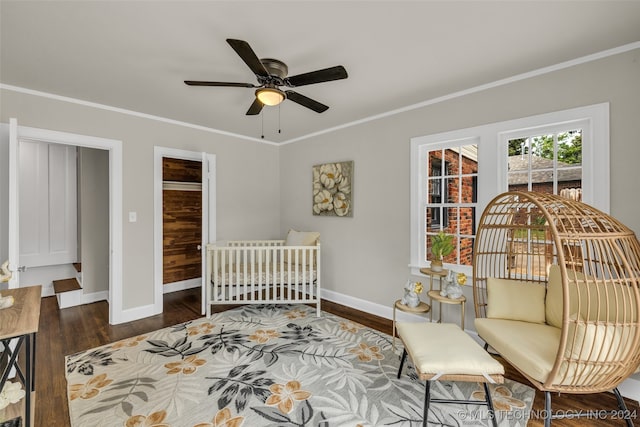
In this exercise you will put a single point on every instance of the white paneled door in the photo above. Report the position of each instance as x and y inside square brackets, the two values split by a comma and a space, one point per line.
[48, 203]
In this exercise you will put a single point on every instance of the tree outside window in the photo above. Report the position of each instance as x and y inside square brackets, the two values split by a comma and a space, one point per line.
[548, 163]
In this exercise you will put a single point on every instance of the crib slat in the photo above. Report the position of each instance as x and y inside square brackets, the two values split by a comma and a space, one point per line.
[255, 272]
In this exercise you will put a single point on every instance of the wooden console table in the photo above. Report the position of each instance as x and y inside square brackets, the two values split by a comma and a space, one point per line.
[19, 323]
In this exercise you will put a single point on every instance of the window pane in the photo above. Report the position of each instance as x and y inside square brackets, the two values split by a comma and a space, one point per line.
[541, 163]
[452, 190]
[451, 181]
[435, 163]
[435, 218]
[518, 181]
[570, 183]
[452, 258]
[542, 146]
[452, 220]
[467, 221]
[542, 181]
[466, 250]
[570, 147]
[469, 159]
[570, 164]
[518, 147]
[435, 191]
[469, 189]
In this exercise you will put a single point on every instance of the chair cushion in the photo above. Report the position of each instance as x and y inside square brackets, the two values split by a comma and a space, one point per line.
[598, 342]
[588, 298]
[553, 299]
[531, 347]
[445, 349]
[589, 348]
[515, 300]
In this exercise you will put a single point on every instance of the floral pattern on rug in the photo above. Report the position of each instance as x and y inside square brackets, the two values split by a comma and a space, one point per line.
[268, 365]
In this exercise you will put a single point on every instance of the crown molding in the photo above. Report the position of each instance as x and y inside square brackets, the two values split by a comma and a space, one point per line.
[131, 113]
[502, 82]
[508, 80]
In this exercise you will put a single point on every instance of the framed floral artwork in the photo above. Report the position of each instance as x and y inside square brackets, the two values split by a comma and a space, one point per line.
[333, 189]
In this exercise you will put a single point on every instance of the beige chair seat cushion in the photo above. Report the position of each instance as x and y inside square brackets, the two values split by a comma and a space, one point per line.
[532, 347]
[445, 349]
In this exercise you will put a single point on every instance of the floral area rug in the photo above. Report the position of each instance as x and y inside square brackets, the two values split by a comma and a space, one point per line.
[269, 365]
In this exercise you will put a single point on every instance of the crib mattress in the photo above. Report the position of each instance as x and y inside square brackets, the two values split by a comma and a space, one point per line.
[239, 274]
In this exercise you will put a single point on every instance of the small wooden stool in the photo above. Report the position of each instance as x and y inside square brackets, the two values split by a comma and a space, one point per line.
[443, 352]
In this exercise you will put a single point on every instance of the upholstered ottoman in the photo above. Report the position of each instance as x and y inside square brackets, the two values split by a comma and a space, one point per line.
[442, 351]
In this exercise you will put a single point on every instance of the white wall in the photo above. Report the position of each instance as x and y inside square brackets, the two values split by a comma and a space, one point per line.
[367, 256]
[93, 184]
[263, 190]
[247, 177]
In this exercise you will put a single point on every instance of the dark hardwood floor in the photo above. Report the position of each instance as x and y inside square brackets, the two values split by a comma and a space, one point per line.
[71, 330]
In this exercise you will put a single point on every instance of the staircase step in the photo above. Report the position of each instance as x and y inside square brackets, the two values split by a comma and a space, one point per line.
[66, 285]
[78, 267]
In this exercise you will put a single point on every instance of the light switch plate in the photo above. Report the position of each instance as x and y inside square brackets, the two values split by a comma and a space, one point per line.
[133, 216]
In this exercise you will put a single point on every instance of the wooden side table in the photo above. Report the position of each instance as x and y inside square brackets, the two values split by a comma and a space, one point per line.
[422, 308]
[434, 295]
[20, 324]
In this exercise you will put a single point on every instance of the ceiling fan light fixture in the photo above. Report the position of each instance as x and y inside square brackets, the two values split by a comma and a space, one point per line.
[270, 96]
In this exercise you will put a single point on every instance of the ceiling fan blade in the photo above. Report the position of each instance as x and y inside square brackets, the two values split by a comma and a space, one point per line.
[223, 84]
[306, 102]
[249, 57]
[328, 74]
[255, 108]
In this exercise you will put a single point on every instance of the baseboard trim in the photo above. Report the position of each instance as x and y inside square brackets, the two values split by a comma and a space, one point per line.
[95, 297]
[137, 313]
[75, 298]
[181, 286]
[370, 307]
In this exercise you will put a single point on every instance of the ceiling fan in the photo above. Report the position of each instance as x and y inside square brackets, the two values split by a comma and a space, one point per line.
[272, 74]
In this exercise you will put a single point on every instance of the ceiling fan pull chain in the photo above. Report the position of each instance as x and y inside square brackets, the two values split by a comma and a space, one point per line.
[262, 117]
[279, 127]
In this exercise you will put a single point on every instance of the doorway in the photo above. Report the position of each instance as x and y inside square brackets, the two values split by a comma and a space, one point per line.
[184, 194]
[114, 149]
[181, 223]
[49, 212]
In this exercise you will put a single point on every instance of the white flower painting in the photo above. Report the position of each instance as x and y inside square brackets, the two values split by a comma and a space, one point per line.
[332, 186]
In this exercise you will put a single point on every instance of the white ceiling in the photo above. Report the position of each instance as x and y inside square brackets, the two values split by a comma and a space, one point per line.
[135, 54]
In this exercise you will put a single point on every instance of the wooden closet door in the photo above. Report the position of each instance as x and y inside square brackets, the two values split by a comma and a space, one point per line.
[182, 220]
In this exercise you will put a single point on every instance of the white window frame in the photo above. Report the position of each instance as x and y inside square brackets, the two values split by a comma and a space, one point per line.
[492, 141]
[444, 204]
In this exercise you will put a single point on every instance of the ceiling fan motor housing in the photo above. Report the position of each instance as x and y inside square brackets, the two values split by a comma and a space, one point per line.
[277, 70]
[275, 67]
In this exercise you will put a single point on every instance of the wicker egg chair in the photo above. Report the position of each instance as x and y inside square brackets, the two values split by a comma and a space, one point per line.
[556, 293]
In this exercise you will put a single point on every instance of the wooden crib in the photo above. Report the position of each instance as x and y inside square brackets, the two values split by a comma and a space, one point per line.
[262, 272]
